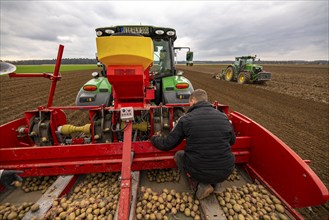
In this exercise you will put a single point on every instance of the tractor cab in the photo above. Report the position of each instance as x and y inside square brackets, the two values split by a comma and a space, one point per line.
[241, 62]
[170, 87]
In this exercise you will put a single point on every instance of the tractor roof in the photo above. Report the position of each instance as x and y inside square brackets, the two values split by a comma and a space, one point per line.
[245, 57]
[144, 30]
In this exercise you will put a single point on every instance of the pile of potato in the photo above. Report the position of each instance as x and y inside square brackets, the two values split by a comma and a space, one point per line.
[251, 201]
[96, 197]
[8, 211]
[37, 183]
[155, 206]
[163, 175]
[234, 175]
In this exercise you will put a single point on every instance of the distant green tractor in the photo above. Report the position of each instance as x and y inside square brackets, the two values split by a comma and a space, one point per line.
[244, 71]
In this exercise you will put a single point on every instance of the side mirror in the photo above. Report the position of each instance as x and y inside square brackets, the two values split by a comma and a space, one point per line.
[95, 74]
[99, 64]
[189, 56]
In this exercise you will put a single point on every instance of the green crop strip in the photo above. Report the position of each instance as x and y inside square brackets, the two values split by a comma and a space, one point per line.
[50, 68]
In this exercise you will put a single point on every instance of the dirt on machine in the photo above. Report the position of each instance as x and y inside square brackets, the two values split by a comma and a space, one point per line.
[244, 70]
[108, 168]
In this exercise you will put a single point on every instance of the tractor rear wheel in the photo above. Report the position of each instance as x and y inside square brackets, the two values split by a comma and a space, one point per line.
[229, 72]
[243, 78]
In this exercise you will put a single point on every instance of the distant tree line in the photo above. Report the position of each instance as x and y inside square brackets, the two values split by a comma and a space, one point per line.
[94, 61]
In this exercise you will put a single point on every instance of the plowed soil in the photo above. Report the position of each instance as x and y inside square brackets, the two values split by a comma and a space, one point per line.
[293, 106]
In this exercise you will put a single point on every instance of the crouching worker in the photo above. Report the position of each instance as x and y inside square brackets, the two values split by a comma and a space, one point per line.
[207, 157]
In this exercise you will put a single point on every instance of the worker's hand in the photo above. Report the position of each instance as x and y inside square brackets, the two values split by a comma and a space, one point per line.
[8, 177]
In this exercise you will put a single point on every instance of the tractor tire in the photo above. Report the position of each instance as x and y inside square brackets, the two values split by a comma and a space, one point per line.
[158, 93]
[109, 101]
[229, 72]
[243, 78]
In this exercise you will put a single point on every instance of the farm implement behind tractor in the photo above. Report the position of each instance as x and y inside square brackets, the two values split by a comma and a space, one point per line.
[244, 70]
[42, 143]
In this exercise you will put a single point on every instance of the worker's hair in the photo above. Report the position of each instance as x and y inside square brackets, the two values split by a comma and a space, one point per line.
[199, 95]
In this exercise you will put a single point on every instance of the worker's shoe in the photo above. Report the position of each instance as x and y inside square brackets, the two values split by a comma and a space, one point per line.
[204, 190]
[218, 188]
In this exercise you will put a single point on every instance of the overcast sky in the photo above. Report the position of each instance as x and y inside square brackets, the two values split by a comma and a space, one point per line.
[215, 30]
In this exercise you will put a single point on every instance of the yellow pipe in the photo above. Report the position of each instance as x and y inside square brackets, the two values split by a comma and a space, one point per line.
[70, 129]
[140, 126]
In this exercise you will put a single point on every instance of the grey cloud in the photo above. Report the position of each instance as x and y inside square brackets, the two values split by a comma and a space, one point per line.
[214, 29]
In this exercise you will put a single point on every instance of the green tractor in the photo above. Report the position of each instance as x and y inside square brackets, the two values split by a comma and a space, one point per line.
[171, 86]
[244, 70]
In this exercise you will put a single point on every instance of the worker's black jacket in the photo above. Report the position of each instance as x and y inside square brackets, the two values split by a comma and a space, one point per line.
[209, 136]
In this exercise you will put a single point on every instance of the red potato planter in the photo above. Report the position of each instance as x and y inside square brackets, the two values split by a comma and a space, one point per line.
[42, 144]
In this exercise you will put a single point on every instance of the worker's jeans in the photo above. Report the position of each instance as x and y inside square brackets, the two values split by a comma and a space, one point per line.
[180, 164]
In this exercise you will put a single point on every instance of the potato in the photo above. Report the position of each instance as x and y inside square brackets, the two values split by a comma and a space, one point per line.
[139, 216]
[152, 216]
[195, 208]
[17, 184]
[110, 217]
[62, 215]
[266, 217]
[197, 217]
[90, 216]
[279, 208]
[187, 212]
[237, 207]
[159, 216]
[12, 215]
[35, 207]
[139, 209]
[103, 210]
[146, 195]
[283, 216]
[276, 200]
[160, 199]
[96, 211]
[241, 217]
[72, 216]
